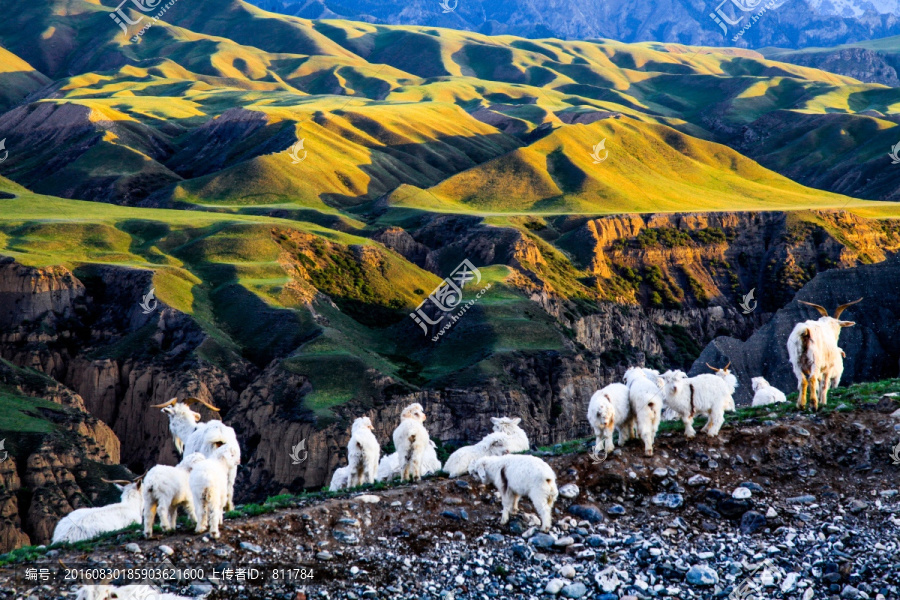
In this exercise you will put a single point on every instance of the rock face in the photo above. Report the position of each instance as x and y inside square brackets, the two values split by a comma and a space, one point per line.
[109, 359]
[872, 345]
[866, 65]
[27, 294]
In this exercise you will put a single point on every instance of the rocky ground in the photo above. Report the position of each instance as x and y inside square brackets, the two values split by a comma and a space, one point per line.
[793, 506]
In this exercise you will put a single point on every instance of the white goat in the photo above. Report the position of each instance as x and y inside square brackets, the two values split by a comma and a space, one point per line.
[209, 487]
[765, 394]
[518, 440]
[705, 394]
[517, 475]
[493, 444]
[411, 440]
[389, 466]
[610, 409]
[730, 381]
[86, 523]
[125, 592]
[165, 489]
[645, 396]
[812, 348]
[190, 435]
[362, 453]
[340, 480]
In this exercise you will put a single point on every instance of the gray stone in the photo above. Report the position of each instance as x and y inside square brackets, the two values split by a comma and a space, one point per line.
[590, 514]
[542, 540]
[615, 510]
[132, 547]
[751, 522]
[668, 500]
[701, 575]
[324, 555]
[574, 590]
[807, 499]
[251, 547]
[698, 480]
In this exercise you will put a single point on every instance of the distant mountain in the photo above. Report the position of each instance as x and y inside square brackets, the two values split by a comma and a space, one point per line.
[788, 24]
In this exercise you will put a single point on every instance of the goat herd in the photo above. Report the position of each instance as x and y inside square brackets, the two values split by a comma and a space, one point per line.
[203, 482]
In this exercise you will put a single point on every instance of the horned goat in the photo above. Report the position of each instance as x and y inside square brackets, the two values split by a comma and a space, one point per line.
[813, 351]
[362, 453]
[645, 397]
[190, 435]
[704, 394]
[517, 475]
[86, 523]
[730, 381]
[765, 393]
[610, 409]
[411, 440]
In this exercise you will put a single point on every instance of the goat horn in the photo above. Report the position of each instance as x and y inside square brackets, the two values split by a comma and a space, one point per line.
[165, 404]
[840, 309]
[725, 368]
[116, 481]
[821, 309]
[713, 368]
[189, 401]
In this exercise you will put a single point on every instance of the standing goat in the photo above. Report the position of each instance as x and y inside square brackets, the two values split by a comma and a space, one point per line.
[610, 409]
[191, 435]
[411, 441]
[730, 380]
[518, 475]
[645, 397]
[814, 353]
[705, 394]
[165, 489]
[362, 453]
[86, 523]
[209, 487]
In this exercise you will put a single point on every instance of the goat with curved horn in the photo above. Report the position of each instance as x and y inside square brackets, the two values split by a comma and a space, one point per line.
[821, 309]
[842, 307]
[117, 481]
[165, 404]
[193, 400]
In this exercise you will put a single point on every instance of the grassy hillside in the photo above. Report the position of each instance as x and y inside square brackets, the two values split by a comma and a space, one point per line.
[203, 109]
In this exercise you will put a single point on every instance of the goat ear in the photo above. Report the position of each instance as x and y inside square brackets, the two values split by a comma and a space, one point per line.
[516, 421]
[847, 323]
[197, 417]
[495, 420]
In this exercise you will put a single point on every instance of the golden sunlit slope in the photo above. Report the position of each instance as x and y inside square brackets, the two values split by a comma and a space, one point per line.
[17, 79]
[214, 95]
[643, 167]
